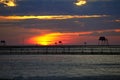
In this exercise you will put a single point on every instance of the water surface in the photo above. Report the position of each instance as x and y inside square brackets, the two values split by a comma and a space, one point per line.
[60, 67]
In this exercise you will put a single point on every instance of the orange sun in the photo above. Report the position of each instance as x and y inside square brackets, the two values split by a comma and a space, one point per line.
[47, 39]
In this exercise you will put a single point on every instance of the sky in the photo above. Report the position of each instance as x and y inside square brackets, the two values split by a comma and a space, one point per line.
[55, 22]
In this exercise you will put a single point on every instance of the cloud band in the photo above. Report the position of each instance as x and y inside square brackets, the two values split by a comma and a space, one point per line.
[51, 17]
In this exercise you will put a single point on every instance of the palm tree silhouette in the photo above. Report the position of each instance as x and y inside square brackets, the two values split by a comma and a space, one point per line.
[60, 42]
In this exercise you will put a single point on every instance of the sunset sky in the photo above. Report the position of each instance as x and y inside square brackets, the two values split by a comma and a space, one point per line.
[46, 22]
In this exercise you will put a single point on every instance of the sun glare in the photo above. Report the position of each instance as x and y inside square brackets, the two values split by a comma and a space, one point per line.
[48, 39]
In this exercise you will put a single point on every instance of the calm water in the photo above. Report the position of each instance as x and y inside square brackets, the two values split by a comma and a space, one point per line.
[60, 67]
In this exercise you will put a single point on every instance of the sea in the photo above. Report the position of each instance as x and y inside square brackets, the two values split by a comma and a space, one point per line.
[59, 67]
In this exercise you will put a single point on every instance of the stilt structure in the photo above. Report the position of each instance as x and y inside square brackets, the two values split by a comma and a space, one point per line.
[103, 41]
[3, 42]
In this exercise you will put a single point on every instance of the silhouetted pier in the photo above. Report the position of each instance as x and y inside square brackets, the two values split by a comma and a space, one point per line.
[61, 49]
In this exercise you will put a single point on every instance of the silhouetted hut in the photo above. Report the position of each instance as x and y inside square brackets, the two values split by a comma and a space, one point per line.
[3, 42]
[103, 40]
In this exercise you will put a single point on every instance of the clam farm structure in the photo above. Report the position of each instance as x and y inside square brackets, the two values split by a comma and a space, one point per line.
[61, 49]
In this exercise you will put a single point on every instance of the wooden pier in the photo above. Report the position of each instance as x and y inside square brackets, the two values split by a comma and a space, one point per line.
[61, 49]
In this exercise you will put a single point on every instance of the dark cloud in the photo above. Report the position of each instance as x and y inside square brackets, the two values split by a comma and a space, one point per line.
[44, 7]
[67, 25]
[71, 25]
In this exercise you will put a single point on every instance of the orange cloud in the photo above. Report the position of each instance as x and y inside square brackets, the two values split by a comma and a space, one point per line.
[9, 3]
[109, 30]
[117, 20]
[50, 17]
[117, 30]
[98, 31]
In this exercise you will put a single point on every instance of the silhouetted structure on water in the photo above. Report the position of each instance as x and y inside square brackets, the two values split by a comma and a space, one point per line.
[103, 41]
[3, 42]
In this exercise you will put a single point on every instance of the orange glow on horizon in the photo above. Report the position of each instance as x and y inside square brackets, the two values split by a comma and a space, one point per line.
[52, 38]
[66, 38]
[47, 39]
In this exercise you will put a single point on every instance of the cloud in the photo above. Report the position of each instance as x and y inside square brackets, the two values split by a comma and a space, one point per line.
[117, 20]
[61, 7]
[9, 3]
[12, 3]
[93, 33]
[50, 17]
[107, 32]
[95, 0]
[81, 2]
